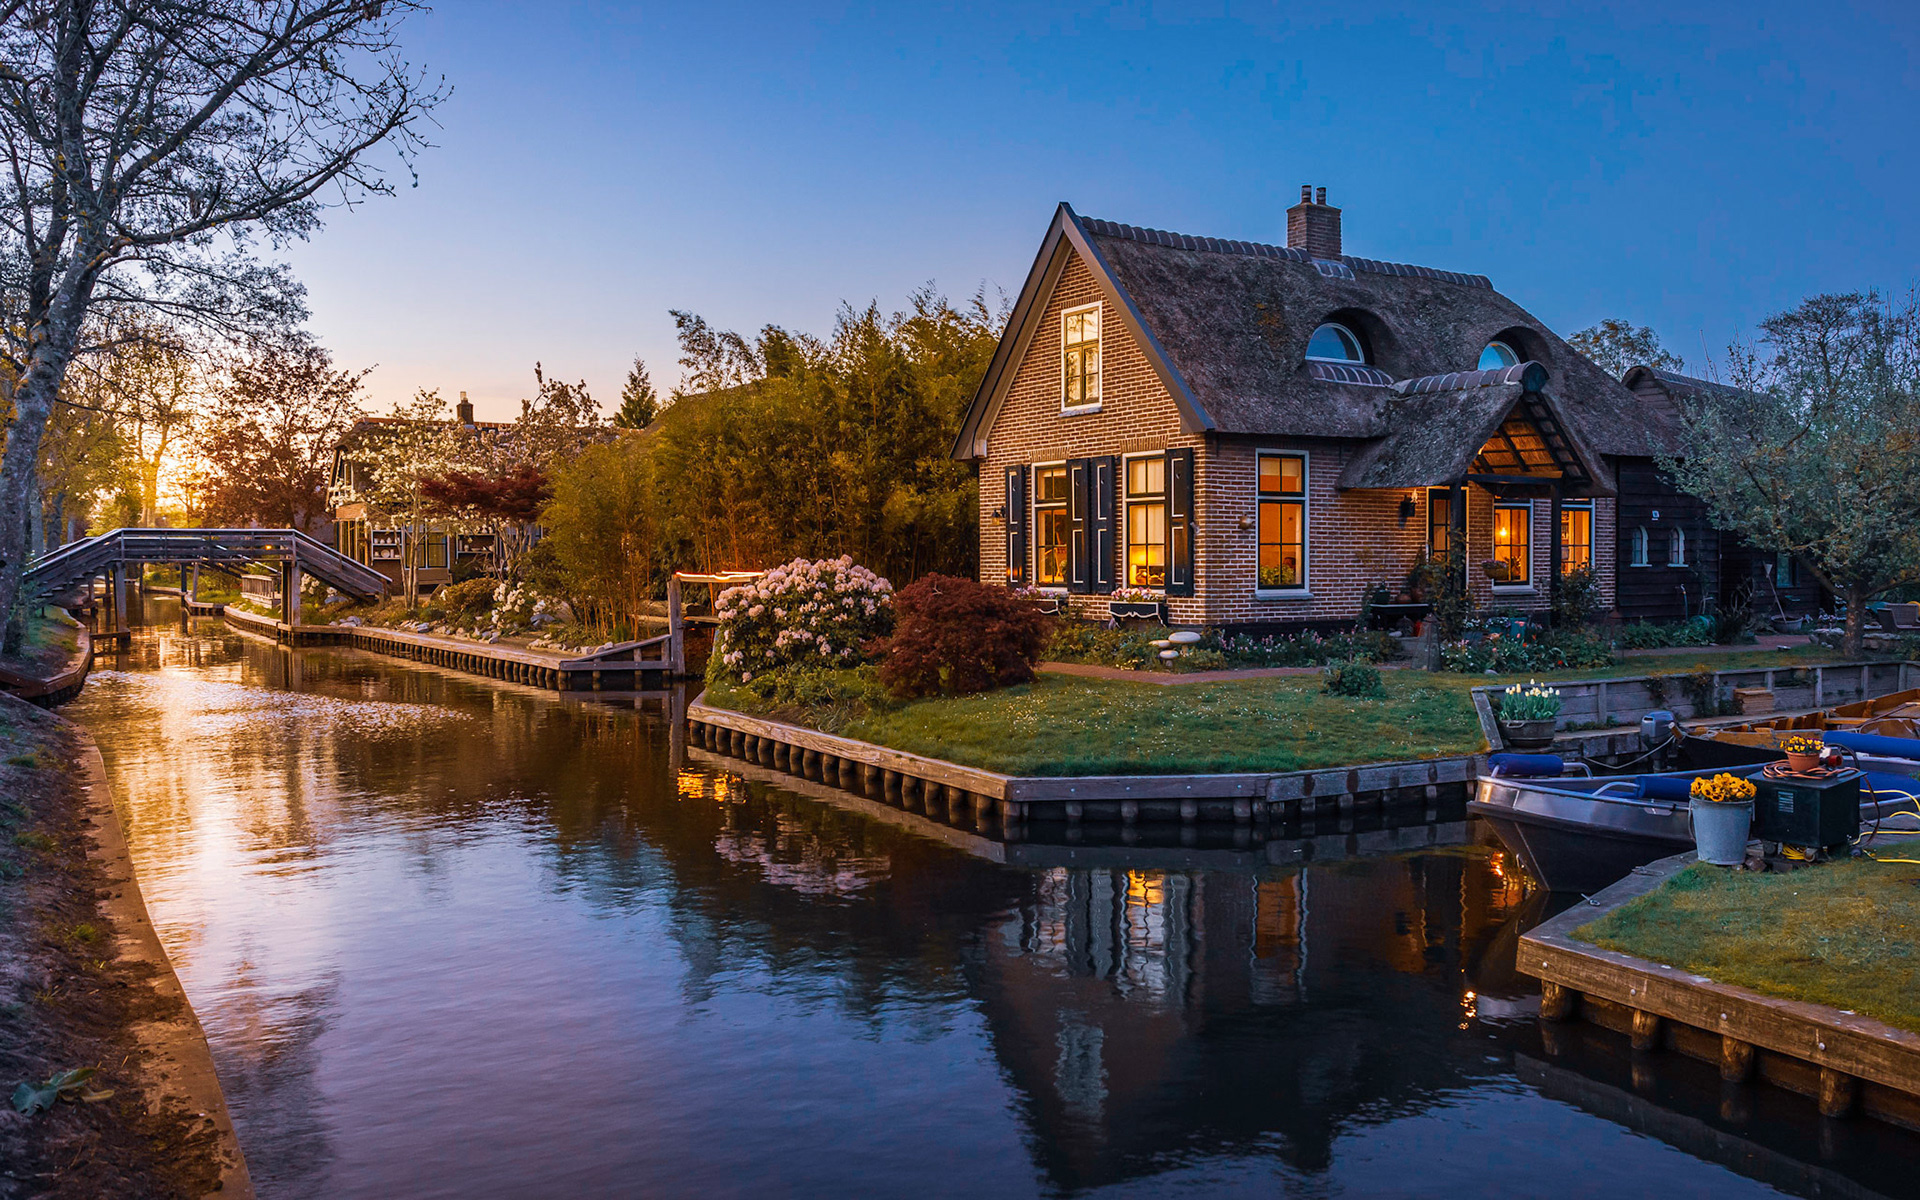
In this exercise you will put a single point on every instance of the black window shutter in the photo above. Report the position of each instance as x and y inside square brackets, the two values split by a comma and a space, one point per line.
[1017, 526]
[1103, 525]
[1079, 573]
[1180, 523]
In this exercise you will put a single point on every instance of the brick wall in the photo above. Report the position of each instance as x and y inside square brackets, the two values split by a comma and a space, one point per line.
[1354, 538]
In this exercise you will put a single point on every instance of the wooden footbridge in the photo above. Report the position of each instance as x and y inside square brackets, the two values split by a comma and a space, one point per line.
[69, 572]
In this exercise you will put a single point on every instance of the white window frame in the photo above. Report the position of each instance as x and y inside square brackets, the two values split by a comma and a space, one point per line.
[1515, 589]
[1304, 591]
[1098, 309]
[1126, 500]
[1637, 547]
[1033, 521]
[1677, 547]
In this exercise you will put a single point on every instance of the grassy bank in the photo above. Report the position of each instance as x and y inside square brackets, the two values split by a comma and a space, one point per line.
[1842, 935]
[1061, 725]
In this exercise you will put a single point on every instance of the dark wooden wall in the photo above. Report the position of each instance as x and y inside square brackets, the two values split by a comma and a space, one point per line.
[1658, 592]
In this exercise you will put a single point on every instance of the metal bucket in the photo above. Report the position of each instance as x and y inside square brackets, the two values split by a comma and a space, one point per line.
[1720, 830]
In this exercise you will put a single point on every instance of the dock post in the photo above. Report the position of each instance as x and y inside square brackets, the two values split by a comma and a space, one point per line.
[676, 629]
[1819, 686]
[1646, 1029]
[1556, 1001]
[1736, 1059]
[1837, 1092]
[194, 590]
[120, 601]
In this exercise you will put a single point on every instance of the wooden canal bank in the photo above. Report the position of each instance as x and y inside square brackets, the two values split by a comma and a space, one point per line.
[617, 668]
[1246, 805]
[62, 684]
[1846, 1062]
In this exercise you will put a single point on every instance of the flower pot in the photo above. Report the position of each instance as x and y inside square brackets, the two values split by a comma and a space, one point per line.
[1528, 735]
[1802, 762]
[1720, 830]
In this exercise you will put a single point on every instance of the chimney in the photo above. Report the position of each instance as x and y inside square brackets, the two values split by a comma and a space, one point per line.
[465, 411]
[1313, 225]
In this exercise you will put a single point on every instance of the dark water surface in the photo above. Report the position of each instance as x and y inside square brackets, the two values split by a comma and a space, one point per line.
[455, 938]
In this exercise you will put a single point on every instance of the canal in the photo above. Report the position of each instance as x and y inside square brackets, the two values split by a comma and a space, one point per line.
[455, 938]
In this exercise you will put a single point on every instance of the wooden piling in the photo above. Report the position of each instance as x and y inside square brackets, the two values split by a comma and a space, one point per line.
[1736, 1059]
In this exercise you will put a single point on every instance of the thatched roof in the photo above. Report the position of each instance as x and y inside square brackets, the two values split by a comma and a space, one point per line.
[1225, 325]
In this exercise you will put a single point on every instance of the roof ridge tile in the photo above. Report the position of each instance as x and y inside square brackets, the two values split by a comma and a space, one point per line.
[1182, 241]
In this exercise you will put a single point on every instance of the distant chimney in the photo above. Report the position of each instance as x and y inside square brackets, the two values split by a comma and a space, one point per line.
[1313, 225]
[465, 410]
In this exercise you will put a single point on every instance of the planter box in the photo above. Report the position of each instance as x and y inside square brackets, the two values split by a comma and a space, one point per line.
[1528, 735]
[1052, 606]
[1139, 610]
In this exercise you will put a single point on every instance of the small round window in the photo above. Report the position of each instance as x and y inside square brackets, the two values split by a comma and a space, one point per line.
[1335, 343]
[1496, 356]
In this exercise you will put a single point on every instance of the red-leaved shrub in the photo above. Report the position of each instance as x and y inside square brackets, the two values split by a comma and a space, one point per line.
[953, 636]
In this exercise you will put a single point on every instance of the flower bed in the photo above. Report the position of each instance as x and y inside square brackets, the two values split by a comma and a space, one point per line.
[816, 613]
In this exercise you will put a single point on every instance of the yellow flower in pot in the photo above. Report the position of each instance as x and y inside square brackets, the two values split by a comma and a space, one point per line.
[1803, 753]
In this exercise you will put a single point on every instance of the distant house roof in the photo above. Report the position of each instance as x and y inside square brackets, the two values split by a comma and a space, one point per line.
[1225, 325]
[1660, 394]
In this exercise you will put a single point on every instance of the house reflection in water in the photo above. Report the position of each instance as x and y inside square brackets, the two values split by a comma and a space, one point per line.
[1152, 1015]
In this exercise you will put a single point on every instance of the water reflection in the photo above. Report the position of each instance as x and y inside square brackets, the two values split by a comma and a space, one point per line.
[451, 937]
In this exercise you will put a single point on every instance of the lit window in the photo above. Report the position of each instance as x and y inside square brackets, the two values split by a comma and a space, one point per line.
[1147, 522]
[1576, 537]
[1050, 525]
[1080, 347]
[1638, 547]
[1677, 547]
[1283, 521]
[1512, 543]
[1497, 355]
[1335, 343]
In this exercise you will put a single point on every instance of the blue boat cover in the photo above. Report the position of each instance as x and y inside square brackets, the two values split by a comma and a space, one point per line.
[1888, 786]
[1664, 787]
[1874, 743]
[1526, 766]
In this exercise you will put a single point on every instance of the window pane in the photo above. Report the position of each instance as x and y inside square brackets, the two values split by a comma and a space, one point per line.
[1497, 355]
[1283, 473]
[1282, 544]
[1334, 342]
[1051, 484]
[1146, 477]
[1052, 558]
[1576, 538]
[1511, 544]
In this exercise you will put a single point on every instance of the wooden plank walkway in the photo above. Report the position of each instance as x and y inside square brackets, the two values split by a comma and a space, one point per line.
[513, 664]
[913, 779]
[1842, 1059]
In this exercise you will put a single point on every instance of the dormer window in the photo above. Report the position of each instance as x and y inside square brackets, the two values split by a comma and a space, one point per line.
[1496, 356]
[1080, 359]
[1335, 343]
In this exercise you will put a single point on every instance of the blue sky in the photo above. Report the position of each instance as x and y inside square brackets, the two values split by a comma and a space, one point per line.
[1689, 166]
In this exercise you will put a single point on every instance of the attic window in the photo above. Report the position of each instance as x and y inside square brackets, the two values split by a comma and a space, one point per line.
[1496, 356]
[1080, 358]
[1335, 343]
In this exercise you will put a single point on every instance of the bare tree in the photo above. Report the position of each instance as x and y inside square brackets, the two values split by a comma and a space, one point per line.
[147, 143]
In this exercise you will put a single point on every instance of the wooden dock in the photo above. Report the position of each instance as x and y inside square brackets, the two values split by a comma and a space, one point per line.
[605, 671]
[1846, 1062]
[920, 784]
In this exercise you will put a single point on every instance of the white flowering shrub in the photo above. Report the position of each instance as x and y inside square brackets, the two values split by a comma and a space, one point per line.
[801, 614]
[516, 606]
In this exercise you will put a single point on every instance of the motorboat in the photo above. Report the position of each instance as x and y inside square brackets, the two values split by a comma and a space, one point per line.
[1574, 831]
[1880, 735]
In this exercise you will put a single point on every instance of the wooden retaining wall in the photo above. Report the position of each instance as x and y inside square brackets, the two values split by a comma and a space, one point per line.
[1009, 802]
[1843, 1060]
[478, 658]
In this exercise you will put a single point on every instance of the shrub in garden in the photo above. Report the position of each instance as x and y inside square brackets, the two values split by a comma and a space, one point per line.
[820, 613]
[1352, 679]
[954, 636]
[466, 601]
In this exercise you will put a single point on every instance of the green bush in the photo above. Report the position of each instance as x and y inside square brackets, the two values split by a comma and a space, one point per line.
[1510, 656]
[1352, 679]
[1644, 635]
[1577, 601]
[466, 601]
[1081, 643]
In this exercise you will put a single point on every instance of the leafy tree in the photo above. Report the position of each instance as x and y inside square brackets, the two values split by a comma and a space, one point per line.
[266, 447]
[1617, 347]
[603, 527]
[507, 505]
[1815, 449]
[639, 403]
[145, 144]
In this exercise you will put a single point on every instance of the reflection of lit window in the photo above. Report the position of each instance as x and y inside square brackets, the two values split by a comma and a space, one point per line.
[1080, 354]
[1512, 545]
[1576, 537]
[1147, 522]
[1283, 521]
[1050, 525]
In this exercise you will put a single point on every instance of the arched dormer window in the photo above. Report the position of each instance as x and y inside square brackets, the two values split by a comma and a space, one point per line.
[1334, 342]
[1497, 355]
[1639, 547]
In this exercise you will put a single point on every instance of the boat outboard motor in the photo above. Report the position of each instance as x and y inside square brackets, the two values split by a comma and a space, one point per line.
[1656, 736]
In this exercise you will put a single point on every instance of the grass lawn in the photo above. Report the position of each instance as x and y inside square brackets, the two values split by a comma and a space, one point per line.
[1061, 725]
[1843, 935]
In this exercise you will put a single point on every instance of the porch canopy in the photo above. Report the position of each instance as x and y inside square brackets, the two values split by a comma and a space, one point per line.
[1498, 429]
